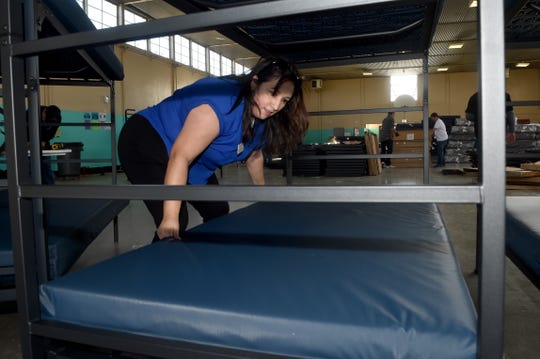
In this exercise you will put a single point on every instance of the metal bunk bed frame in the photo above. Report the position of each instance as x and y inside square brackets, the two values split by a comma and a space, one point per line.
[33, 82]
[488, 195]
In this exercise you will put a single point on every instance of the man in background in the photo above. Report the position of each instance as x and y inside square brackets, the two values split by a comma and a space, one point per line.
[441, 136]
[387, 146]
[472, 114]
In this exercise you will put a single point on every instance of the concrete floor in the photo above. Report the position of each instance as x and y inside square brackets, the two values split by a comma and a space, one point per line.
[522, 299]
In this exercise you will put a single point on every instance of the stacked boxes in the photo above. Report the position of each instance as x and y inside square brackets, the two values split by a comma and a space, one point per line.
[410, 140]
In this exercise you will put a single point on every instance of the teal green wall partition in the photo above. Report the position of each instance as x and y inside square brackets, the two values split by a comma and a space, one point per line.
[87, 128]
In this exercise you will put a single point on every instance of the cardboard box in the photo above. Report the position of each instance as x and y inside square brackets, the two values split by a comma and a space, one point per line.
[407, 144]
[409, 162]
[408, 150]
[411, 135]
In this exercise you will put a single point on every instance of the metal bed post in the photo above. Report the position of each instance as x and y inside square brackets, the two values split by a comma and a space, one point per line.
[114, 171]
[17, 161]
[34, 123]
[492, 177]
[113, 132]
[425, 102]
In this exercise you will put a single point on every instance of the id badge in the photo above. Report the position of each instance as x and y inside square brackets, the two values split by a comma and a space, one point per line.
[239, 149]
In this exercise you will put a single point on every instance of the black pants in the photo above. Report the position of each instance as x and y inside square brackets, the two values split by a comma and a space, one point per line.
[144, 158]
[387, 147]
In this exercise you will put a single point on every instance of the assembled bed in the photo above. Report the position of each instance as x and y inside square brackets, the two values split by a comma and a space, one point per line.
[70, 226]
[293, 279]
[523, 235]
[381, 281]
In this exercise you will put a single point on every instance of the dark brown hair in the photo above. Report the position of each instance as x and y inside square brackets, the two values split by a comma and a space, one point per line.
[286, 129]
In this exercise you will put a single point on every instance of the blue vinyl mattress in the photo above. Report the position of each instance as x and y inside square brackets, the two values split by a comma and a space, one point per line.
[523, 234]
[382, 221]
[71, 225]
[342, 292]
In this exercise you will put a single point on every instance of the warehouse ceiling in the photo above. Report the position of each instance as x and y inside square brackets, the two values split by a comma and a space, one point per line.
[383, 39]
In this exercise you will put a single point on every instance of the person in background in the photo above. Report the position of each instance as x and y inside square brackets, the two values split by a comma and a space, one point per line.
[51, 117]
[208, 124]
[387, 144]
[472, 114]
[441, 136]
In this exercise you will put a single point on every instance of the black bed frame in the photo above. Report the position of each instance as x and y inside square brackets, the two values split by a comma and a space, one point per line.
[94, 76]
[488, 195]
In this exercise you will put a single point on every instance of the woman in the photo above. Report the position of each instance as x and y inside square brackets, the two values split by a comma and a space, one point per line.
[211, 123]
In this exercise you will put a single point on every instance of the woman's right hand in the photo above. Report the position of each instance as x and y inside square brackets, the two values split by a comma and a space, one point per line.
[169, 229]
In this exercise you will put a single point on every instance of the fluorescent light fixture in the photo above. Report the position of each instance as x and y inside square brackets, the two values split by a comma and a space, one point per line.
[522, 64]
[457, 45]
[367, 73]
[442, 69]
[473, 3]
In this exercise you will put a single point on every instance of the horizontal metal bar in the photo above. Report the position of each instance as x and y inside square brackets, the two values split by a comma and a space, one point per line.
[7, 270]
[93, 160]
[523, 44]
[369, 35]
[524, 103]
[356, 60]
[530, 155]
[140, 344]
[359, 194]
[8, 294]
[354, 157]
[50, 160]
[75, 82]
[89, 124]
[368, 110]
[182, 24]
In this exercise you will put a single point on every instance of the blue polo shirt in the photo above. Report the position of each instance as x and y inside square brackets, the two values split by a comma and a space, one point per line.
[168, 118]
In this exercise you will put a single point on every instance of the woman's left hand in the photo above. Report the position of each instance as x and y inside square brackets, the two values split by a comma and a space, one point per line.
[168, 229]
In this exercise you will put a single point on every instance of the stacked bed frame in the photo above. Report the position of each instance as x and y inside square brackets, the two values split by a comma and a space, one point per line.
[69, 225]
[273, 287]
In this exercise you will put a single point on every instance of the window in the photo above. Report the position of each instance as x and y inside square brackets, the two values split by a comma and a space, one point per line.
[160, 46]
[181, 50]
[226, 66]
[198, 56]
[215, 63]
[102, 13]
[239, 69]
[132, 18]
[403, 85]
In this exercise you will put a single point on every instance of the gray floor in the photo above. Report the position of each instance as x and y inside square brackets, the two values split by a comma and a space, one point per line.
[522, 300]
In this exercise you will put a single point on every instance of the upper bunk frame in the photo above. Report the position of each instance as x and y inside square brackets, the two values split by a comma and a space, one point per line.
[94, 67]
[488, 195]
